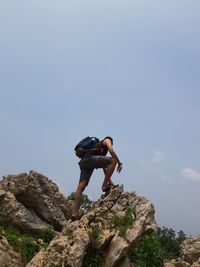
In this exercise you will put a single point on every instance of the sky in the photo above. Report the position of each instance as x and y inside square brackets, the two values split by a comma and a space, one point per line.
[128, 69]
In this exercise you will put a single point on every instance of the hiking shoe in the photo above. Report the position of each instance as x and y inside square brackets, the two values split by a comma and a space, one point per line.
[114, 186]
[75, 218]
[106, 189]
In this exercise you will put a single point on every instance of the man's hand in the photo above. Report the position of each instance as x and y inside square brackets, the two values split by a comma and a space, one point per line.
[119, 167]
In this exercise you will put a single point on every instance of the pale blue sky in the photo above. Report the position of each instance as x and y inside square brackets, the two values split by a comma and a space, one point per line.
[129, 69]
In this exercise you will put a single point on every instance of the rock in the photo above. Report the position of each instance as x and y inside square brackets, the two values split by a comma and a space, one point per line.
[8, 257]
[178, 263]
[168, 264]
[126, 263]
[190, 254]
[32, 202]
[195, 264]
[108, 231]
[67, 249]
[98, 230]
[190, 250]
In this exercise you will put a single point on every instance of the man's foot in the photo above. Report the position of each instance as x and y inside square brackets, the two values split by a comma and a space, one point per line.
[106, 188]
[75, 218]
[114, 185]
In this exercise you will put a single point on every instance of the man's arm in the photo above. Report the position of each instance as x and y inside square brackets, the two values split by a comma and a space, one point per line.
[108, 143]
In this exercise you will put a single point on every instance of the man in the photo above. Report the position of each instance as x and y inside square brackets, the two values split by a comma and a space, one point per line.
[96, 159]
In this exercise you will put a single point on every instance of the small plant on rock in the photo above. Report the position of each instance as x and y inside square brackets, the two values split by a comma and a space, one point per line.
[94, 258]
[48, 235]
[25, 244]
[21, 242]
[69, 233]
[122, 223]
[95, 231]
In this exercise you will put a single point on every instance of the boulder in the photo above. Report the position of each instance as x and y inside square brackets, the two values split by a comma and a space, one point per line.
[190, 254]
[190, 250]
[108, 231]
[32, 202]
[8, 257]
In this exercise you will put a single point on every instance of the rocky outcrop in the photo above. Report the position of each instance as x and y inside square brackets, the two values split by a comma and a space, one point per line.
[190, 254]
[32, 202]
[104, 234]
[8, 257]
[190, 250]
[108, 231]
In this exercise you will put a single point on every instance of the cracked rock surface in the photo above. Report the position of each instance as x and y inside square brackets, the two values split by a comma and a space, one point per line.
[98, 229]
[32, 202]
[109, 230]
[8, 257]
[190, 254]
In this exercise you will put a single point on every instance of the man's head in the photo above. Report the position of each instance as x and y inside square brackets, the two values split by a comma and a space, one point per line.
[110, 138]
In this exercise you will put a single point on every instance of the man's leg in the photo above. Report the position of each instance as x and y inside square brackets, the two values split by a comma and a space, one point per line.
[108, 173]
[110, 181]
[83, 182]
[81, 187]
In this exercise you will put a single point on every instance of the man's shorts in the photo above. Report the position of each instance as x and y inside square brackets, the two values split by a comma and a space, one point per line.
[88, 164]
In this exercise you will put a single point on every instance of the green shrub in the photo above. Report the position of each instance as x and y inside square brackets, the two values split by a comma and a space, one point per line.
[162, 245]
[95, 232]
[69, 233]
[25, 244]
[170, 241]
[122, 223]
[13, 236]
[48, 235]
[28, 248]
[148, 253]
[94, 258]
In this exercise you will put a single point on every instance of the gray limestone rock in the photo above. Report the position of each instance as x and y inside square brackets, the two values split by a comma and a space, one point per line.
[8, 257]
[108, 231]
[190, 254]
[98, 230]
[33, 203]
[190, 250]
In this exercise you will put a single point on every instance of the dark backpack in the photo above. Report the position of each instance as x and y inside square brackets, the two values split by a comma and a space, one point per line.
[86, 145]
